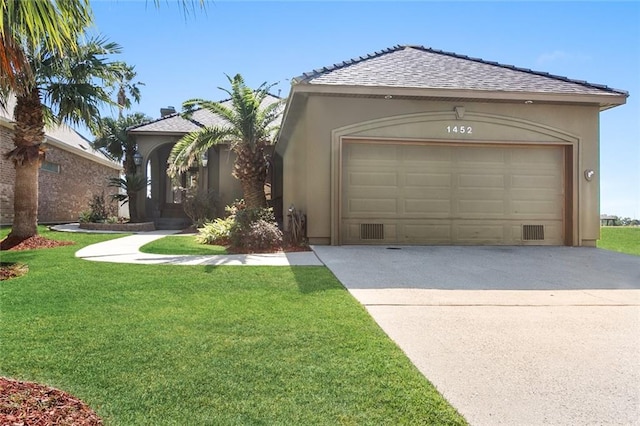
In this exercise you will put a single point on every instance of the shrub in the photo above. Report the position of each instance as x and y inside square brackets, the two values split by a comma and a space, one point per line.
[98, 210]
[216, 232]
[200, 206]
[84, 216]
[260, 235]
[255, 230]
[235, 207]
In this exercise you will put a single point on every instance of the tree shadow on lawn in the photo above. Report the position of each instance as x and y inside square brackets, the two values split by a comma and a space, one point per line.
[309, 279]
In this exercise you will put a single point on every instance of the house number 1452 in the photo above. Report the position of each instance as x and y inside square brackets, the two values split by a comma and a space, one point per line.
[460, 129]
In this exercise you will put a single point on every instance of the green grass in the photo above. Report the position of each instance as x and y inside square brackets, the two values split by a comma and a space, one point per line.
[620, 238]
[204, 345]
[181, 244]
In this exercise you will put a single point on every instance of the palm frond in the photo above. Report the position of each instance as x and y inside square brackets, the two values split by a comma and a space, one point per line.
[188, 150]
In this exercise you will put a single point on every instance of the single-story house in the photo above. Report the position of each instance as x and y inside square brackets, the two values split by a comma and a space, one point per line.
[70, 176]
[412, 145]
[162, 202]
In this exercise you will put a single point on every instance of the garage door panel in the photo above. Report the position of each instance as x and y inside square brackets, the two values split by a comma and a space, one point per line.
[540, 208]
[426, 208]
[427, 180]
[484, 181]
[479, 234]
[437, 156]
[481, 208]
[549, 157]
[373, 179]
[536, 181]
[430, 234]
[436, 194]
[381, 205]
[472, 157]
[367, 153]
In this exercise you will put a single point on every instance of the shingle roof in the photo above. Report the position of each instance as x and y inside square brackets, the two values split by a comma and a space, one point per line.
[425, 68]
[63, 137]
[176, 123]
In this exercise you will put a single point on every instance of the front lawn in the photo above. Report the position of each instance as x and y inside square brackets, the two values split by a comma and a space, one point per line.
[620, 238]
[158, 345]
[181, 244]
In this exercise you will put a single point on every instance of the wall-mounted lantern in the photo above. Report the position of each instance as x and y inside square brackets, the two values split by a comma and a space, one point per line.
[137, 159]
[205, 159]
[589, 174]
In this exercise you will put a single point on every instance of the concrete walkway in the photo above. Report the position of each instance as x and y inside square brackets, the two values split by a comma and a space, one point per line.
[127, 250]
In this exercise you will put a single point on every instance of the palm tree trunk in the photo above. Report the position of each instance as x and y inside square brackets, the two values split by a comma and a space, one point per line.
[133, 206]
[25, 201]
[27, 157]
[250, 169]
[253, 192]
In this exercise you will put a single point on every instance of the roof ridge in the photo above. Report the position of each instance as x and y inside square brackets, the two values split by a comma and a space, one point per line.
[306, 76]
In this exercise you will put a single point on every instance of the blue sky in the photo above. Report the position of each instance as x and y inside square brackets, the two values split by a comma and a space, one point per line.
[180, 57]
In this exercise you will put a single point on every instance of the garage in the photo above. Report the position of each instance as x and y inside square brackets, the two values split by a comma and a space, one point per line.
[453, 194]
[414, 145]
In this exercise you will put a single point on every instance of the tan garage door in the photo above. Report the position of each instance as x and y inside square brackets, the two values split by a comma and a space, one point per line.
[452, 194]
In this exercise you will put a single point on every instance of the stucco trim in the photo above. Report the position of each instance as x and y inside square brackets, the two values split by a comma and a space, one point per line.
[357, 131]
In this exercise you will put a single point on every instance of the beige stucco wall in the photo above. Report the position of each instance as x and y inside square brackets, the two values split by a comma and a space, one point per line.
[218, 173]
[308, 157]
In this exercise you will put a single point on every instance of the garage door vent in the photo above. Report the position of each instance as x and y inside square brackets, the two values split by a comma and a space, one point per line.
[371, 231]
[532, 232]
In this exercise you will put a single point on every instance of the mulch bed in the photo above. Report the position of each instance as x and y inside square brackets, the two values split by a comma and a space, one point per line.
[32, 404]
[12, 270]
[35, 242]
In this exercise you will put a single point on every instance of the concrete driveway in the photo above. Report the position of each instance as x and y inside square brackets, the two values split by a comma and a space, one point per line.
[509, 335]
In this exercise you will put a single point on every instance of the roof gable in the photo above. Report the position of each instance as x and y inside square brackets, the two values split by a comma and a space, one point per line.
[425, 68]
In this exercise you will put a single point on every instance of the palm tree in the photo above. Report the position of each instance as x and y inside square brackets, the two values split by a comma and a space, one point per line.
[55, 23]
[250, 127]
[65, 88]
[112, 139]
[131, 184]
[126, 85]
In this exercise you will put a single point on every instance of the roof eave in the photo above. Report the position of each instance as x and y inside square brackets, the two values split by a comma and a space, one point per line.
[49, 140]
[604, 100]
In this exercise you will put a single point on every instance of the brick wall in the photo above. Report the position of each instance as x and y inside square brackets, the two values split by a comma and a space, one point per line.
[7, 177]
[62, 196]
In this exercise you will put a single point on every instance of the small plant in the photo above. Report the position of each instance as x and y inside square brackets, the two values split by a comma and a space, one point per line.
[216, 232]
[235, 207]
[84, 216]
[98, 209]
[297, 225]
[200, 206]
[129, 185]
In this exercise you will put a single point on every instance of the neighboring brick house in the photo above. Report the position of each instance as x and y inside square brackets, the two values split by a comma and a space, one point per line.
[69, 178]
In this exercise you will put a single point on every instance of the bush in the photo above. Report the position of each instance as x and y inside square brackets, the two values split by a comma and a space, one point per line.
[98, 210]
[255, 230]
[260, 235]
[216, 232]
[246, 230]
[85, 216]
[201, 206]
